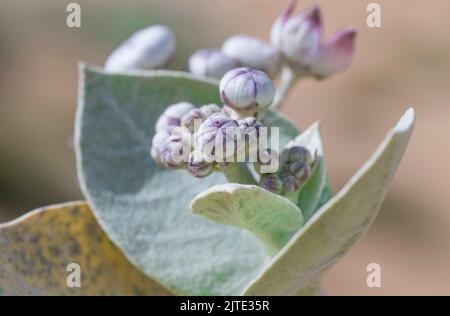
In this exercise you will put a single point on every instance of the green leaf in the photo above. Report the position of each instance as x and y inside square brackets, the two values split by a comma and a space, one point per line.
[272, 218]
[334, 228]
[37, 248]
[144, 208]
[309, 195]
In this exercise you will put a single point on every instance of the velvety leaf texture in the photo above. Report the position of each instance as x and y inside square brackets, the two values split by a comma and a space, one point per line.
[144, 208]
[37, 248]
[338, 224]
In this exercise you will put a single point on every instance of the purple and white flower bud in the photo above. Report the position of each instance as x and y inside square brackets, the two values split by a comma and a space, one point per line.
[171, 117]
[250, 127]
[298, 37]
[272, 183]
[192, 120]
[211, 63]
[290, 183]
[149, 48]
[300, 170]
[175, 151]
[253, 52]
[336, 55]
[297, 154]
[246, 90]
[217, 137]
[157, 142]
[209, 109]
[198, 165]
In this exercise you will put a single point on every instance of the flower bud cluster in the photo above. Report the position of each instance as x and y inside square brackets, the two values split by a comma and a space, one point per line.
[202, 139]
[295, 170]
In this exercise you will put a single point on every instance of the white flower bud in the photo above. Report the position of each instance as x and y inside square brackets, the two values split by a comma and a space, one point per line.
[171, 117]
[149, 48]
[175, 150]
[192, 119]
[253, 52]
[247, 90]
[198, 165]
[209, 109]
[211, 63]
[217, 137]
[157, 142]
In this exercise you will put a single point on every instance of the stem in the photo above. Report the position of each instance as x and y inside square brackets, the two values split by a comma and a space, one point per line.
[238, 173]
[288, 78]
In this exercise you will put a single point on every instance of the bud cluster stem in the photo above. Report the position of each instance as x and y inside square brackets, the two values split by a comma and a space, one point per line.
[287, 80]
[238, 173]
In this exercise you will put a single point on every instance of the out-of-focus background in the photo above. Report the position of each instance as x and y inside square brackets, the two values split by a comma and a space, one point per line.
[404, 63]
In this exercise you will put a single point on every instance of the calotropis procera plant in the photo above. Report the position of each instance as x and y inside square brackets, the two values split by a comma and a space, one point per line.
[186, 193]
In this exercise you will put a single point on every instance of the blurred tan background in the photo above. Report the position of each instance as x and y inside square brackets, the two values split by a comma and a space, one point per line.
[404, 63]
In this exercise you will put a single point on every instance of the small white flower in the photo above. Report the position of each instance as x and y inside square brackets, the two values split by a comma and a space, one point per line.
[149, 48]
[247, 90]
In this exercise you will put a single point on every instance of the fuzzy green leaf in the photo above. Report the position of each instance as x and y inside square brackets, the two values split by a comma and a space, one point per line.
[144, 208]
[335, 227]
[272, 218]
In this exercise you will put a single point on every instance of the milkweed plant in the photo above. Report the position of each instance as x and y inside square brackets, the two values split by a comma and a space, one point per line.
[195, 183]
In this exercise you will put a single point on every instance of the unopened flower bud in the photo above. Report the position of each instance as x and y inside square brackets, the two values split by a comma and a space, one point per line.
[211, 63]
[297, 154]
[272, 183]
[157, 142]
[250, 127]
[149, 48]
[300, 170]
[198, 165]
[336, 55]
[299, 39]
[175, 151]
[192, 119]
[209, 109]
[253, 52]
[171, 117]
[217, 137]
[247, 90]
[290, 183]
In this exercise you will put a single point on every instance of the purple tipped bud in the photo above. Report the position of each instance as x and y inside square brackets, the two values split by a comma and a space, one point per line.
[192, 120]
[211, 63]
[253, 52]
[149, 48]
[157, 142]
[290, 183]
[198, 165]
[299, 38]
[209, 109]
[171, 117]
[250, 127]
[336, 55]
[247, 90]
[297, 154]
[217, 137]
[175, 151]
[272, 183]
[300, 170]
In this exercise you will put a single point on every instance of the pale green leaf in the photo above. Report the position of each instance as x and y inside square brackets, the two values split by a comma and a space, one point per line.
[144, 208]
[335, 227]
[272, 218]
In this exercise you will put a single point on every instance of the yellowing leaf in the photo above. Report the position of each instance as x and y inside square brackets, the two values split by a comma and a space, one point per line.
[36, 249]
